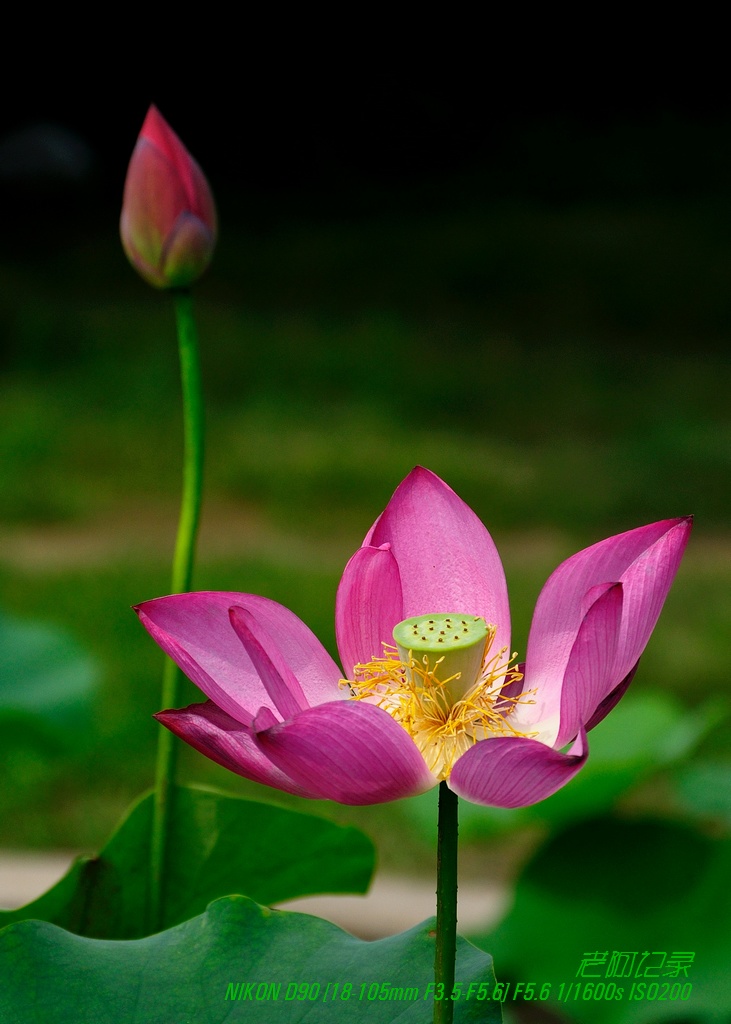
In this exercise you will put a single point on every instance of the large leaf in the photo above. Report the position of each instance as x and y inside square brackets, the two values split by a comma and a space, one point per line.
[637, 888]
[219, 845]
[237, 961]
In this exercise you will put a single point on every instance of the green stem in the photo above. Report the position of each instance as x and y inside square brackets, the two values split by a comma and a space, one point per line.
[446, 942]
[181, 579]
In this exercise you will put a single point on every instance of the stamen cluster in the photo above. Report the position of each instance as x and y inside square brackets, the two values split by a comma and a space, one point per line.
[443, 729]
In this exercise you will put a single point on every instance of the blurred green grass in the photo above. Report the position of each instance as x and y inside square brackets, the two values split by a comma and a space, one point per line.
[572, 362]
[564, 366]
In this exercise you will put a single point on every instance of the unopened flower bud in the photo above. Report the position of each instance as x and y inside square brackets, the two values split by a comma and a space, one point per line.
[168, 222]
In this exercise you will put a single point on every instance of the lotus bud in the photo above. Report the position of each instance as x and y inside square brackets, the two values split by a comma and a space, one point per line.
[168, 222]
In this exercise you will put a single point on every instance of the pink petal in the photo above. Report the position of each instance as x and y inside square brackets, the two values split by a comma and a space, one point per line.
[159, 133]
[194, 629]
[187, 250]
[646, 584]
[264, 719]
[556, 706]
[644, 561]
[368, 606]
[515, 772]
[198, 200]
[225, 741]
[153, 200]
[611, 700]
[590, 662]
[446, 558]
[279, 681]
[351, 752]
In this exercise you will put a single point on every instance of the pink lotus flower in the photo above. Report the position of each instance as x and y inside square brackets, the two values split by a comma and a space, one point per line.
[168, 223]
[444, 702]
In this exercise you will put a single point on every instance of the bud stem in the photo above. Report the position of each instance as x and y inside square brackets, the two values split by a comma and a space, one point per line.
[446, 940]
[181, 580]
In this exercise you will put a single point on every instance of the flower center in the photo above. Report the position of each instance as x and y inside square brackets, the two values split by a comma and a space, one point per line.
[456, 643]
[443, 684]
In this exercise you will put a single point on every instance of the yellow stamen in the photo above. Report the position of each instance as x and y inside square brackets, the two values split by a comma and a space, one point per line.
[411, 691]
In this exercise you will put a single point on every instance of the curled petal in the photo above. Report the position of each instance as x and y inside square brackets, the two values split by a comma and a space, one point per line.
[195, 630]
[279, 680]
[554, 710]
[227, 742]
[446, 558]
[515, 771]
[186, 251]
[562, 703]
[611, 700]
[368, 606]
[646, 584]
[590, 662]
[264, 719]
[351, 752]
[644, 561]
